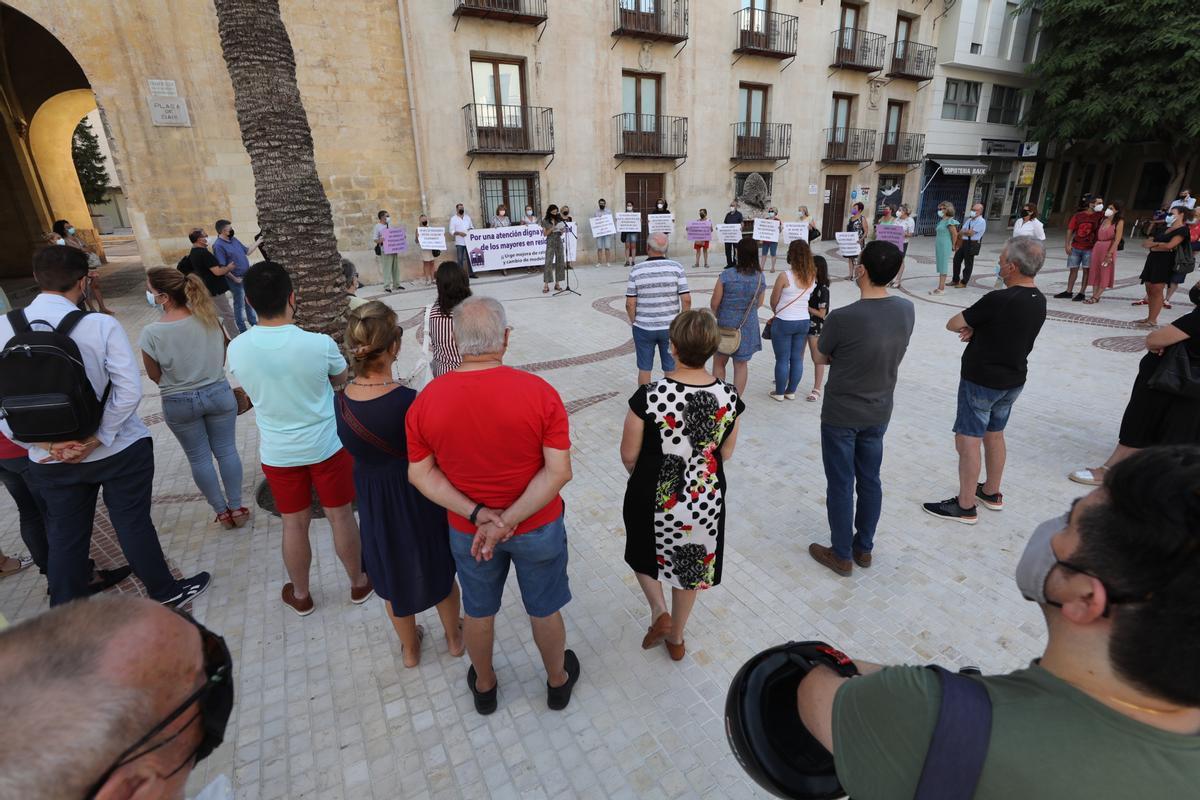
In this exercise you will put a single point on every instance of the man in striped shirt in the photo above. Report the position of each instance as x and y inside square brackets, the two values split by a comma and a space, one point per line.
[656, 293]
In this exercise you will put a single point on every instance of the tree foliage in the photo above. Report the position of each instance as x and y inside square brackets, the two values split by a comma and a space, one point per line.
[1118, 72]
[89, 163]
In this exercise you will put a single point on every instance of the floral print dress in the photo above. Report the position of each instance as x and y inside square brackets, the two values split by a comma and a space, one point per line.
[675, 500]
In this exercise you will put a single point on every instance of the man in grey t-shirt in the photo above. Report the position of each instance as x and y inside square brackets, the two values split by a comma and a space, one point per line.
[863, 343]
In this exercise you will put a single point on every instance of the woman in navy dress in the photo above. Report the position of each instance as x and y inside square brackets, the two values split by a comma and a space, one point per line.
[405, 541]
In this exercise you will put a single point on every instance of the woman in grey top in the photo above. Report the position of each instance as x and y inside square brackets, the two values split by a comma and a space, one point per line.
[184, 353]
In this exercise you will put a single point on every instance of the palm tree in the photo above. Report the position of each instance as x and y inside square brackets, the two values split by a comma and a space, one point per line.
[293, 211]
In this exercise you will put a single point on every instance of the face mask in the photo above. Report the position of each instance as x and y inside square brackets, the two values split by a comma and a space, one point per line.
[602, 206]
[703, 214]
[970, 214]
[458, 211]
[732, 209]
[629, 208]
[1028, 213]
[529, 212]
[1108, 212]
[71, 231]
[802, 214]
[60, 241]
[941, 213]
[229, 232]
[1098, 208]
[660, 205]
[1038, 559]
[770, 213]
[150, 298]
[424, 223]
[1172, 219]
[387, 220]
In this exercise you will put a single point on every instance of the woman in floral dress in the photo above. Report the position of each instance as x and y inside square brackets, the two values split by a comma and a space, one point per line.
[678, 434]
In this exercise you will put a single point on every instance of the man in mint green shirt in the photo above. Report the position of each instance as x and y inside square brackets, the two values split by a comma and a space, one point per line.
[1111, 709]
[290, 373]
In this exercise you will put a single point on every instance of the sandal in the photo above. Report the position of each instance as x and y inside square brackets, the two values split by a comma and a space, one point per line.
[1091, 301]
[226, 520]
[1142, 302]
[420, 639]
[22, 562]
[240, 516]
[1166, 304]
[1089, 477]
[814, 396]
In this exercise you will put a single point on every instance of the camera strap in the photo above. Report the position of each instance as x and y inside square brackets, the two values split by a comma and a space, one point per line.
[958, 749]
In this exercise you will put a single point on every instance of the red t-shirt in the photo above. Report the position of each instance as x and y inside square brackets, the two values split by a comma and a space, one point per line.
[10, 450]
[1085, 225]
[487, 430]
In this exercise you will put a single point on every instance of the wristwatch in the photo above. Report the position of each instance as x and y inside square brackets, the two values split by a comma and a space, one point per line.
[475, 513]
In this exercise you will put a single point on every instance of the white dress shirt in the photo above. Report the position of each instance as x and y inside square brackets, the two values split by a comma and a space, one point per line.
[1032, 228]
[460, 225]
[107, 356]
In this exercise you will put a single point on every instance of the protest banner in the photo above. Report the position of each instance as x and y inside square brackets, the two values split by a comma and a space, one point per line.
[516, 246]
[629, 222]
[729, 234]
[700, 230]
[795, 231]
[429, 238]
[661, 223]
[766, 230]
[847, 242]
[395, 240]
[890, 233]
[603, 225]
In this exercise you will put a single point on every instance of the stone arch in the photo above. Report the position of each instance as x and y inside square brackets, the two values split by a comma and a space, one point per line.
[51, 132]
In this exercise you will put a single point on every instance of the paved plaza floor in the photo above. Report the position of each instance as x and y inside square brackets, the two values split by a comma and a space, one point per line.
[326, 710]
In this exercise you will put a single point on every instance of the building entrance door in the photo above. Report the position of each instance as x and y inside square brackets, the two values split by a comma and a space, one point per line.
[834, 214]
[642, 190]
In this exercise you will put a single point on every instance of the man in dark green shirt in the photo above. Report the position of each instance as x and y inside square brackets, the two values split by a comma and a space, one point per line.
[1111, 709]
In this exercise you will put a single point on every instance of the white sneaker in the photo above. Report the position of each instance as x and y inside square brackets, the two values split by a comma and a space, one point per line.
[791, 396]
[776, 397]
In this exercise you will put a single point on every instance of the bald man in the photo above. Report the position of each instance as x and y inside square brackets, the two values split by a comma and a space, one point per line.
[655, 294]
[83, 688]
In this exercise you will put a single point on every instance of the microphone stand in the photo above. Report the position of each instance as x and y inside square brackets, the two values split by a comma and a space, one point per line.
[567, 272]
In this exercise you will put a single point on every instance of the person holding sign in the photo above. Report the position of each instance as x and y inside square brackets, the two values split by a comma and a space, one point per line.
[910, 230]
[427, 256]
[857, 224]
[389, 263]
[734, 217]
[604, 242]
[554, 227]
[762, 230]
[501, 220]
[630, 238]
[460, 223]
[704, 223]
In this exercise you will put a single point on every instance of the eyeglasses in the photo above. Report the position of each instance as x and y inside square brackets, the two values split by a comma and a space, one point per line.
[215, 701]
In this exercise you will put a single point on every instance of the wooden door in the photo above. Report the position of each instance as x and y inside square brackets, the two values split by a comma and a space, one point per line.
[752, 111]
[833, 217]
[642, 190]
[755, 34]
[639, 15]
[893, 125]
[641, 106]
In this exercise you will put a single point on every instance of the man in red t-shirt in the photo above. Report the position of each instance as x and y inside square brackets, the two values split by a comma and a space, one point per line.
[1081, 238]
[492, 446]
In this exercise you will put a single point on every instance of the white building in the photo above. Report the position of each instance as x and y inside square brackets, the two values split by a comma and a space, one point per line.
[974, 144]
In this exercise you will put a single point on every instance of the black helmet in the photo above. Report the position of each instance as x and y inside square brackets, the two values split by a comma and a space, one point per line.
[764, 727]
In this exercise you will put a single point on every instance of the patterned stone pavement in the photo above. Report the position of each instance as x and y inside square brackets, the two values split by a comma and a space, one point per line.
[326, 710]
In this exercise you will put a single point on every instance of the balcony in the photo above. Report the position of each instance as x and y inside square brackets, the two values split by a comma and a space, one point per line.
[849, 144]
[656, 20]
[902, 148]
[524, 12]
[854, 48]
[913, 61]
[762, 141]
[509, 130]
[760, 33]
[650, 136]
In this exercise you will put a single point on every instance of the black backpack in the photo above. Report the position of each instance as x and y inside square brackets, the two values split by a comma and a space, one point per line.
[45, 394]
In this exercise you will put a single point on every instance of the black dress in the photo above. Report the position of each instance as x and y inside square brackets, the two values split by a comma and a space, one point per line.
[1153, 417]
[819, 299]
[405, 536]
[1160, 264]
[675, 500]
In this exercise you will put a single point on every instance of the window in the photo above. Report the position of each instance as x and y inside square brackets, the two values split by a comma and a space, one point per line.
[759, 11]
[1033, 35]
[1005, 107]
[739, 182]
[1007, 29]
[961, 100]
[903, 35]
[839, 116]
[979, 32]
[499, 87]
[640, 102]
[895, 118]
[752, 104]
[515, 190]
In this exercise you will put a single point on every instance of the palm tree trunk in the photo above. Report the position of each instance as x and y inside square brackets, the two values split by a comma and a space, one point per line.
[293, 211]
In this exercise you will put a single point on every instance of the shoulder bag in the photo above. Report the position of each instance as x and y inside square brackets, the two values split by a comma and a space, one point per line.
[731, 338]
[1177, 373]
[1185, 259]
[422, 373]
[766, 334]
[361, 431]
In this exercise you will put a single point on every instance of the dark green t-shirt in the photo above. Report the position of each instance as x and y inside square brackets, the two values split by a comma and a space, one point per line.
[1049, 741]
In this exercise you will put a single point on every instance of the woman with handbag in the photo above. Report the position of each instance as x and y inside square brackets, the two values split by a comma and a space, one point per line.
[453, 287]
[1162, 261]
[405, 538]
[1190, 245]
[788, 328]
[1164, 407]
[736, 297]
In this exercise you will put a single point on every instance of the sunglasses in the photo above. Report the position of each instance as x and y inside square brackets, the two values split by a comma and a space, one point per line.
[214, 700]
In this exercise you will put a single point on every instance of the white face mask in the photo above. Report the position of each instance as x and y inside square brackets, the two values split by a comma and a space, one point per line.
[150, 298]
[770, 213]
[941, 213]
[970, 214]
[387, 220]
[802, 214]
[1172, 219]
[529, 212]
[1108, 212]
[1098, 208]
[629, 208]
[660, 205]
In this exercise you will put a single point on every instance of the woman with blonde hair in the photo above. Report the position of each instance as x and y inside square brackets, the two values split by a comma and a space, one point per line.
[789, 325]
[405, 537]
[184, 353]
[946, 243]
[679, 432]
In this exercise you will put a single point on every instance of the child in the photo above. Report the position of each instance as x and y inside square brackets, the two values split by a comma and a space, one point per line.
[818, 309]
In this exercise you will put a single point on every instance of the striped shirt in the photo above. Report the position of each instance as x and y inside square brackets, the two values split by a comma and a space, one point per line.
[657, 284]
[441, 343]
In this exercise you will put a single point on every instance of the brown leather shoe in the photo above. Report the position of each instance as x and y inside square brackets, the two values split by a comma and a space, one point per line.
[657, 632]
[302, 607]
[363, 594]
[826, 557]
[677, 651]
[862, 558]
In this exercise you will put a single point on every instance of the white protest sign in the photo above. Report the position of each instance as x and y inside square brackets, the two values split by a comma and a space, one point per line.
[661, 223]
[603, 225]
[629, 222]
[491, 249]
[570, 243]
[729, 234]
[395, 241]
[431, 238]
[766, 230]
[812, 188]
[847, 242]
[795, 231]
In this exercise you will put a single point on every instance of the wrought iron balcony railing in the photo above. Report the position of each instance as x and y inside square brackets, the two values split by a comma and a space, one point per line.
[650, 136]
[902, 148]
[854, 48]
[762, 141]
[849, 144]
[913, 61]
[769, 34]
[514, 130]
[527, 12]
[658, 20]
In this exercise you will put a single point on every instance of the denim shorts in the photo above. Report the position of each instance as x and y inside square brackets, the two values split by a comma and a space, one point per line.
[541, 560]
[770, 248]
[982, 410]
[1080, 258]
[644, 344]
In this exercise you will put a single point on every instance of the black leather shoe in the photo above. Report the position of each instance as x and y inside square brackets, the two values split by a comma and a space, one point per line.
[485, 702]
[557, 697]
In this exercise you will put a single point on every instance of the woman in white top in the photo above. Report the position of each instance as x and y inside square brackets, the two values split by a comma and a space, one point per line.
[904, 215]
[184, 353]
[1028, 224]
[789, 326]
[814, 229]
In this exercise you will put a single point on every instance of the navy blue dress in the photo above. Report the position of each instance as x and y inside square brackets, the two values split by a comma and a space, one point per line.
[405, 536]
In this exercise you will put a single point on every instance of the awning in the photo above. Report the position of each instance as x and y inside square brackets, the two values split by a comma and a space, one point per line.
[953, 166]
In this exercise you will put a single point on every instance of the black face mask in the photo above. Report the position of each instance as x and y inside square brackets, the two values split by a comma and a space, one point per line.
[229, 232]
[214, 701]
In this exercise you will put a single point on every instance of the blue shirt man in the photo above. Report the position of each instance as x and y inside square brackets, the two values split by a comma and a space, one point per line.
[228, 250]
[973, 230]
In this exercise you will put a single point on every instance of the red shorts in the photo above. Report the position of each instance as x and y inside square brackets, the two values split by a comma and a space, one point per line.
[701, 245]
[292, 486]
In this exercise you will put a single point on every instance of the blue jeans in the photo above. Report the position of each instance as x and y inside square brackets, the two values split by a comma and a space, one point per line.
[70, 492]
[852, 457]
[789, 337]
[1079, 258]
[204, 421]
[541, 560]
[982, 410]
[646, 342]
[242, 312]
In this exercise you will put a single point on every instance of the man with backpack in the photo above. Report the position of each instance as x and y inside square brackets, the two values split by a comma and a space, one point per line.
[69, 391]
[204, 264]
